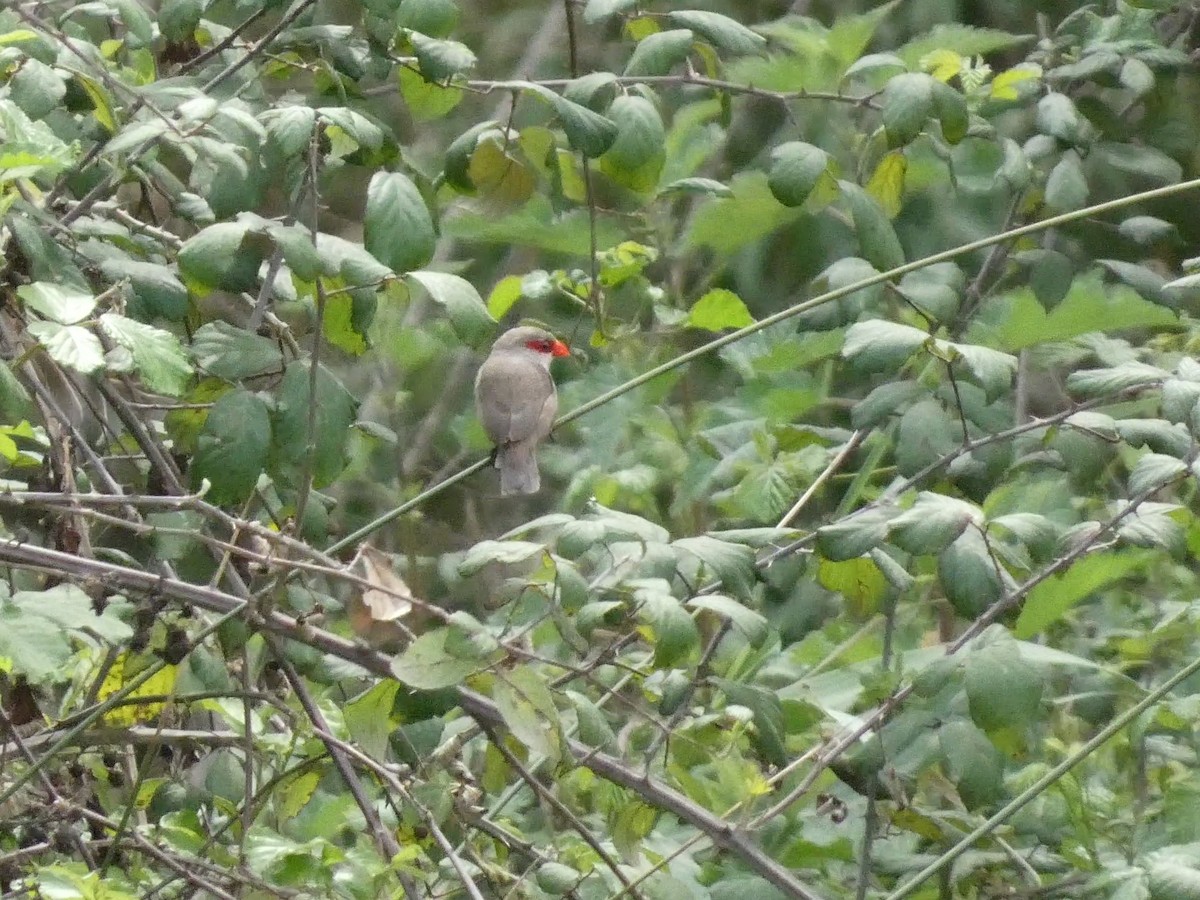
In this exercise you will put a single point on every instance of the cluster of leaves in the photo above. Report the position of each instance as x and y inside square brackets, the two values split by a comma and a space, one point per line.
[885, 564]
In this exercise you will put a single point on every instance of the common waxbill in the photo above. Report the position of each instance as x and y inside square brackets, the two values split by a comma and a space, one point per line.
[516, 401]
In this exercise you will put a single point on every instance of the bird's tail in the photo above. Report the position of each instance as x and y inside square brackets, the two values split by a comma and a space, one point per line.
[518, 469]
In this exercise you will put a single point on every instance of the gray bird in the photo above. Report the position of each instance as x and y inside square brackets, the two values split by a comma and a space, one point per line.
[516, 402]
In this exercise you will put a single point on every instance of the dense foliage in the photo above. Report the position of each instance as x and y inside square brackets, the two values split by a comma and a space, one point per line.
[862, 563]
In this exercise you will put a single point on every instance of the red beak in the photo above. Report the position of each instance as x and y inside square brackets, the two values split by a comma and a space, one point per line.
[558, 348]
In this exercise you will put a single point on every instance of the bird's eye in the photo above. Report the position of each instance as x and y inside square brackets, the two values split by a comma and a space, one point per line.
[541, 346]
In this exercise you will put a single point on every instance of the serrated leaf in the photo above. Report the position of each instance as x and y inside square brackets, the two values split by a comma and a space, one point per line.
[486, 553]
[317, 444]
[733, 564]
[972, 762]
[993, 369]
[232, 353]
[157, 355]
[932, 523]
[73, 346]
[853, 536]
[1155, 470]
[469, 316]
[154, 284]
[397, 227]
[881, 345]
[504, 296]
[427, 665]
[1097, 382]
[1003, 689]
[60, 303]
[527, 708]
[889, 399]
[218, 256]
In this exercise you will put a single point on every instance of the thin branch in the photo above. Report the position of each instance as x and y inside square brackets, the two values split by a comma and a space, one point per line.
[828, 472]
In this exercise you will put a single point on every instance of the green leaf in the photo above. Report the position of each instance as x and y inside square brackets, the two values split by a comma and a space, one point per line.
[335, 411]
[397, 228]
[969, 575]
[704, 186]
[733, 564]
[73, 346]
[877, 239]
[993, 369]
[232, 353]
[933, 523]
[594, 729]
[426, 664]
[1154, 470]
[290, 128]
[1003, 690]
[860, 581]
[427, 100]
[796, 170]
[589, 132]
[219, 257]
[769, 728]
[907, 104]
[441, 60]
[1146, 230]
[527, 708]
[157, 355]
[1066, 187]
[659, 53]
[1140, 160]
[33, 645]
[233, 447]
[724, 33]
[504, 296]
[57, 302]
[154, 284]
[369, 719]
[1147, 282]
[972, 762]
[753, 625]
[853, 536]
[672, 632]
[950, 107]
[1058, 117]
[880, 345]
[719, 309]
[926, 434]
[599, 10]
[635, 158]
[486, 553]
[1050, 600]
[1099, 382]
[469, 316]
[889, 399]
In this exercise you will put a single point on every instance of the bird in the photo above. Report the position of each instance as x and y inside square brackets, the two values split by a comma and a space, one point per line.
[516, 401]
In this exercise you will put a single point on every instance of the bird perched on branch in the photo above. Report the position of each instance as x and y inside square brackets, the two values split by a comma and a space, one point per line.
[516, 402]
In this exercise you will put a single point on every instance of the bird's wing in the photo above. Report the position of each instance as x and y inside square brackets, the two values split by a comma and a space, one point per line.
[518, 390]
